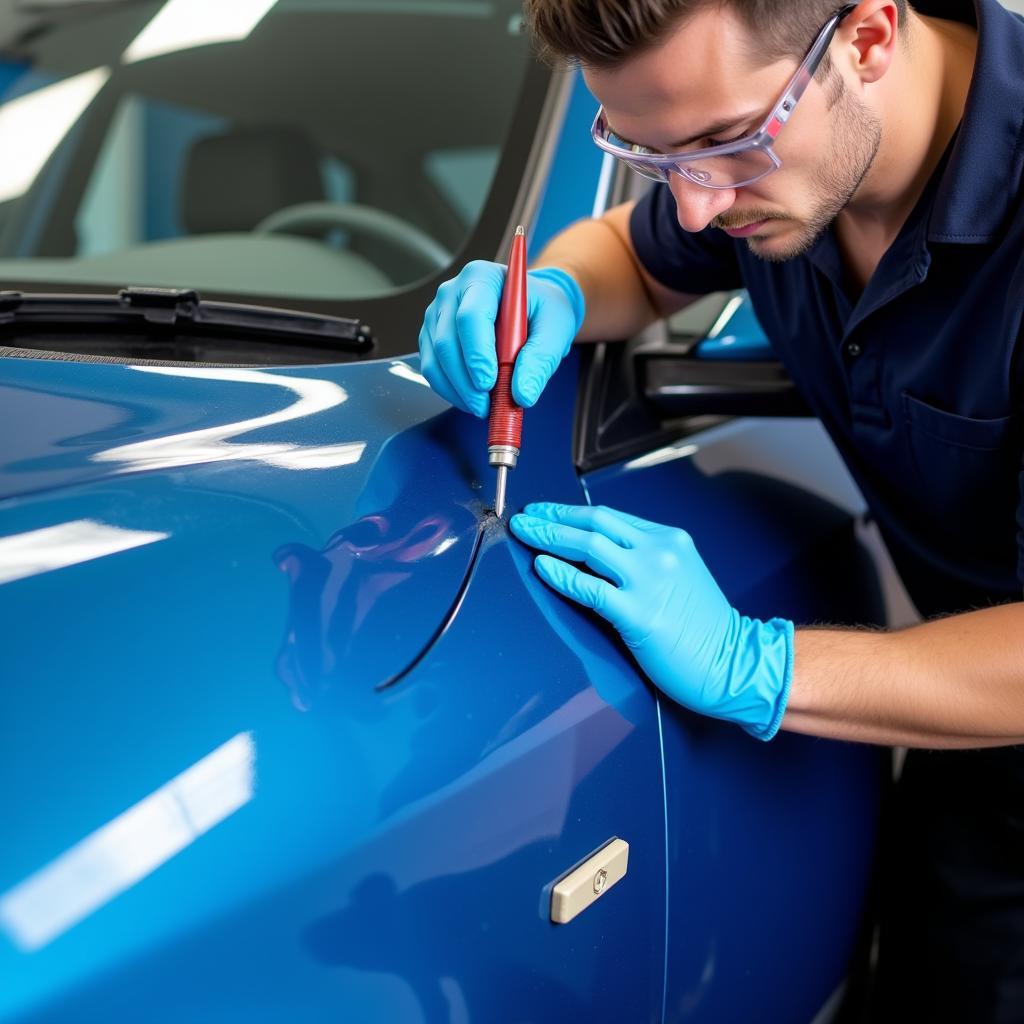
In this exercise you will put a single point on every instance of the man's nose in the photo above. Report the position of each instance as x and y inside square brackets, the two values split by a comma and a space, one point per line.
[697, 206]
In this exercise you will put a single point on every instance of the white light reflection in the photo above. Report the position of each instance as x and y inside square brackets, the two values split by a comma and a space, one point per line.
[444, 546]
[32, 126]
[56, 547]
[325, 456]
[604, 185]
[669, 454]
[725, 316]
[183, 24]
[406, 372]
[132, 846]
[211, 444]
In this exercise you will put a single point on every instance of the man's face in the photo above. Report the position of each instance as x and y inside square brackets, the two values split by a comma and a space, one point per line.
[707, 80]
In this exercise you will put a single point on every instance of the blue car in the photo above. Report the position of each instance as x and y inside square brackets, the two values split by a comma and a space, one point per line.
[290, 729]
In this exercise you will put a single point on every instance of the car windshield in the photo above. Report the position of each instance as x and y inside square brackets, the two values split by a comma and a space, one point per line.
[309, 151]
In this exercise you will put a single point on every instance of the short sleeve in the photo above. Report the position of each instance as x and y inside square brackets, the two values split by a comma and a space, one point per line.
[1020, 534]
[693, 262]
[1016, 289]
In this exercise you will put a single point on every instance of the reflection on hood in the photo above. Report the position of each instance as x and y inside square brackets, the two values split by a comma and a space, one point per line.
[363, 607]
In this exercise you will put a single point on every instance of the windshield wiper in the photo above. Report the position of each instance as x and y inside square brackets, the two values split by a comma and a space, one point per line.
[176, 324]
[46, 6]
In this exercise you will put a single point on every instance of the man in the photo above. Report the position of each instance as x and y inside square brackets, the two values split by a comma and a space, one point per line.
[876, 214]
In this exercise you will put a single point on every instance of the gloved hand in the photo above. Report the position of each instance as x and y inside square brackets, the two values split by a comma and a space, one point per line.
[457, 337]
[657, 592]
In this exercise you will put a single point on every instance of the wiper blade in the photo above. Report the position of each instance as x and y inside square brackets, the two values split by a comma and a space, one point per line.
[181, 311]
[45, 6]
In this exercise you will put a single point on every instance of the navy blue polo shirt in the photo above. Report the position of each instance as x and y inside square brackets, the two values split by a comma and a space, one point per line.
[919, 379]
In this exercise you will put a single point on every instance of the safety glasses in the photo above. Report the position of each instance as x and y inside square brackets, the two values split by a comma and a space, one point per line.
[730, 164]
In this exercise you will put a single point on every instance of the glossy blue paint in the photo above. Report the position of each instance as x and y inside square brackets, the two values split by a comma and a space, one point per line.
[10, 71]
[223, 826]
[18, 78]
[575, 169]
[278, 447]
[770, 845]
[737, 335]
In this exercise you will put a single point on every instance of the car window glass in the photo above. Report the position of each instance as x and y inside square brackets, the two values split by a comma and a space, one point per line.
[138, 151]
[132, 194]
[339, 180]
[463, 177]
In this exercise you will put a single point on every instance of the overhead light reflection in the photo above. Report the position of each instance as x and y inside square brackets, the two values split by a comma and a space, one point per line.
[56, 547]
[211, 444]
[33, 125]
[725, 316]
[656, 458]
[183, 24]
[132, 846]
[406, 372]
[326, 456]
[444, 546]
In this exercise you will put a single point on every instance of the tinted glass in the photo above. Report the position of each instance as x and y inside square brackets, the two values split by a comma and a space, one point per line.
[301, 149]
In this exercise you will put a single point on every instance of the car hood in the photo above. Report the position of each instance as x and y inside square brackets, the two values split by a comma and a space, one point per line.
[219, 493]
[196, 563]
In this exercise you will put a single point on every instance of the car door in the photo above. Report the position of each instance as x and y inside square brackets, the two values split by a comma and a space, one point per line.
[770, 845]
[694, 424]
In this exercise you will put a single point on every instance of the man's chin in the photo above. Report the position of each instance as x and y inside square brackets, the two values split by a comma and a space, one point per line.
[777, 246]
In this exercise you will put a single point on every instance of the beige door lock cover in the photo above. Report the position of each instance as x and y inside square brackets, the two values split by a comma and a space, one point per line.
[590, 881]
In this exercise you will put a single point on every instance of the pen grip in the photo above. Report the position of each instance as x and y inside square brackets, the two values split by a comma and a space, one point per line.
[506, 422]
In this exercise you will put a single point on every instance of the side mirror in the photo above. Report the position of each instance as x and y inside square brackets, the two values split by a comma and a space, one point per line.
[676, 378]
[726, 369]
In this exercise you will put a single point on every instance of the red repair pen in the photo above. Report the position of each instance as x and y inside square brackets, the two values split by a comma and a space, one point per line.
[505, 426]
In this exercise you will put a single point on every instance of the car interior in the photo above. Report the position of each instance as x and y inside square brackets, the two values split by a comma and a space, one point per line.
[269, 164]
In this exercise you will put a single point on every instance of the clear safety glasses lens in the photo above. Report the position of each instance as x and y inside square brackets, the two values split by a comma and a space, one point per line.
[729, 171]
[649, 171]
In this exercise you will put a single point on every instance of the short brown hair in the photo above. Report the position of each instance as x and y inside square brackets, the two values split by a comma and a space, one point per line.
[605, 33]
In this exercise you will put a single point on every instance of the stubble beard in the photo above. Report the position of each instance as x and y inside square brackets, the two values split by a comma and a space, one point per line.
[855, 141]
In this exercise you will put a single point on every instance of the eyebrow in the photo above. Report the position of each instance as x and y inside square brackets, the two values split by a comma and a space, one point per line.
[711, 130]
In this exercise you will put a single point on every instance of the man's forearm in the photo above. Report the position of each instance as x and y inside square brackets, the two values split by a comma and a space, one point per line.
[595, 253]
[953, 682]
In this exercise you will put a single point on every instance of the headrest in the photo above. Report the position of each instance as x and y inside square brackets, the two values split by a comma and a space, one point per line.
[232, 181]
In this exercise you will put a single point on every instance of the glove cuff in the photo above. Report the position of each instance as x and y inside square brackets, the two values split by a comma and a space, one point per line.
[565, 281]
[776, 671]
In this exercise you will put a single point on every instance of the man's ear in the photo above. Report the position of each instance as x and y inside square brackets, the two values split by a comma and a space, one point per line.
[870, 34]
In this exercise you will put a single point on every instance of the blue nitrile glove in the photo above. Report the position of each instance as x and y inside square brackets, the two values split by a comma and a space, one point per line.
[457, 337]
[658, 593]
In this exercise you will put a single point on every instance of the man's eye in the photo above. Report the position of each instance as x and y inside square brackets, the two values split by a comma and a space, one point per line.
[724, 142]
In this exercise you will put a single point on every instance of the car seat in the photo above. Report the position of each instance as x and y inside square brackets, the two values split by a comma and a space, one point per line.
[234, 180]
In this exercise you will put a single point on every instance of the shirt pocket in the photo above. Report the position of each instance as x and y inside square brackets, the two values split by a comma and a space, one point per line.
[966, 472]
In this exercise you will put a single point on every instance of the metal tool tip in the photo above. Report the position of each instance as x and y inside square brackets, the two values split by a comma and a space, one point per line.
[520, 230]
[499, 495]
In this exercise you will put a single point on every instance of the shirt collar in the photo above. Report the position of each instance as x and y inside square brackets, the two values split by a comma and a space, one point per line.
[983, 176]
